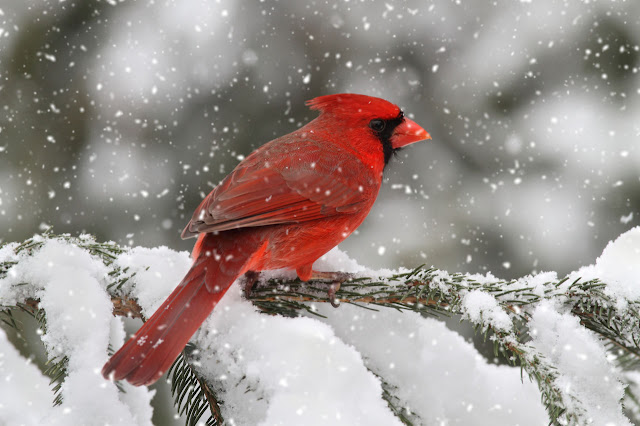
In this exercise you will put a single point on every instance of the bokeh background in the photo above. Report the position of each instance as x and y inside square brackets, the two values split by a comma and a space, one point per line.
[117, 117]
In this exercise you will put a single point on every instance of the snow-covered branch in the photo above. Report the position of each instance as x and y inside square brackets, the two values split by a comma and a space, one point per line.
[503, 309]
[377, 359]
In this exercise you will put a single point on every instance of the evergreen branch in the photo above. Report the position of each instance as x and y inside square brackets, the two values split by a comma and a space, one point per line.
[544, 374]
[433, 292]
[631, 400]
[404, 414]
[427, 291]
[7, 317]
[191, 393]
[56, 367]
[57, 371]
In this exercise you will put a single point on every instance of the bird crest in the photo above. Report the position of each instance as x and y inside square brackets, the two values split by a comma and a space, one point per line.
[354, 104]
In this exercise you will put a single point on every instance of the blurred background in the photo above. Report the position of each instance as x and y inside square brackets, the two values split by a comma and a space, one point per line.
[118, 117]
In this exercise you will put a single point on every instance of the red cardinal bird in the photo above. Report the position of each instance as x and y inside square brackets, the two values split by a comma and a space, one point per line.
[288, 203]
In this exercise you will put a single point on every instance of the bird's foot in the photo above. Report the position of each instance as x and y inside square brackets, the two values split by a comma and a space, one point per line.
[336, 278]
[333, 288]
[250, 279]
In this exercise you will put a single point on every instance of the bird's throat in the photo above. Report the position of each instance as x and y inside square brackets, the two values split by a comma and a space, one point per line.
[385, 136]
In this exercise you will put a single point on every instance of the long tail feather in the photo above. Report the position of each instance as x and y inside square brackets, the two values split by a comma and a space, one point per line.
[150, 352]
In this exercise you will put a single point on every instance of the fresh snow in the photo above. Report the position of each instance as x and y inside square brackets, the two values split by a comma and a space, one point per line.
[272, 370]
[619, 267]
[25, 396]
[71, 287]
[581, 361]
[479, 305]
[157, 272]
[440, 376]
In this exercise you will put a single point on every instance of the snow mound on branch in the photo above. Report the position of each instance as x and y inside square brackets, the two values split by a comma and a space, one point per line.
[25, 397]
[275, 370]
[70, 284]
[440, 377]
[619, 267]
[581, 361]
[157, 272]
[478, 305]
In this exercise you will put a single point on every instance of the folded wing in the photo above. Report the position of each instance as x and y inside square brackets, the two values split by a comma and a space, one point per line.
[285, 182]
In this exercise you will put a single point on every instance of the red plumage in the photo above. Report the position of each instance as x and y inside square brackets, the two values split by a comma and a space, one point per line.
[288, 203]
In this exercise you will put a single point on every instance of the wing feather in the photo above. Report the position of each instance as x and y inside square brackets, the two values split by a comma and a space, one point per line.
[285, 183]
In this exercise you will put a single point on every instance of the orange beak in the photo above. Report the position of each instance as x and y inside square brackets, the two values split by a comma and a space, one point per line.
[407, 133]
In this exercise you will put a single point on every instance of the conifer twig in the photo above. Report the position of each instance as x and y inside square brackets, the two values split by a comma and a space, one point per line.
[427, 291]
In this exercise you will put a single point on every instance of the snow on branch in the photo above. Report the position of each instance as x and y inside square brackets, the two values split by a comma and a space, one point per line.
[501, 309]
[379, 358]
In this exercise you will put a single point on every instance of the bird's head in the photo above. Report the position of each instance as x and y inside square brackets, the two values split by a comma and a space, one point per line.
[372, 117]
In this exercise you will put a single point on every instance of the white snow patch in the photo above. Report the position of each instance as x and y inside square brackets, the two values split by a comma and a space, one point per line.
[435, 371]
[276, 370]
[619, 267]
[25, 397]
[157, 272]
[70, 284]
[479, 305]
[581, 362]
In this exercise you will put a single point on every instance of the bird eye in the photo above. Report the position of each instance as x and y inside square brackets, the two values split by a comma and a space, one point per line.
[377, 125]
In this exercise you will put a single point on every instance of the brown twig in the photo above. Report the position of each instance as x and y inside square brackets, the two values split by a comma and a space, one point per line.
[363, 299]
[126, 307]
[33, 303]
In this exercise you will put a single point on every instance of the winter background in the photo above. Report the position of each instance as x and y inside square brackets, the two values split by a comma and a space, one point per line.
[119, 116]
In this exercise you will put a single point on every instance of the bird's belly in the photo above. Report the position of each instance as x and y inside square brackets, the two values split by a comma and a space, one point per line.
[293, 246]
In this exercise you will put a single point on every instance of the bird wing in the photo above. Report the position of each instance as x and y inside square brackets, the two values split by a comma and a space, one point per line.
[286, 182]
